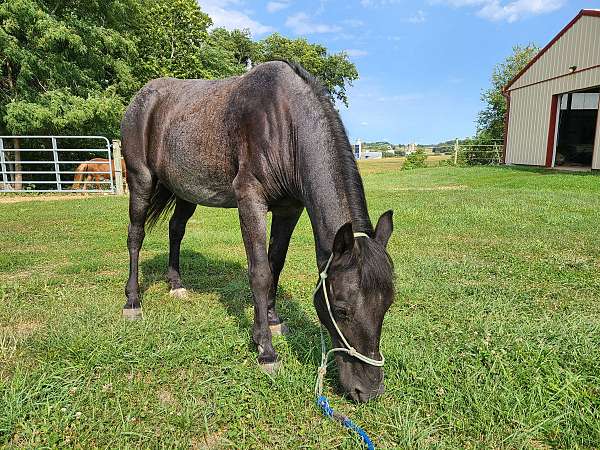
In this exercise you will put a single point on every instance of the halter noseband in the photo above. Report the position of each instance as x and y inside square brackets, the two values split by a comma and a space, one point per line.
[347, 347]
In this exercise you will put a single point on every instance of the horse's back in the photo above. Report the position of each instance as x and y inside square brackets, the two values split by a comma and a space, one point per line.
[191, 133]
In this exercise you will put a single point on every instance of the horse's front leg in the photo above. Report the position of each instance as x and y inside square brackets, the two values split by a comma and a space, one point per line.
[253, 225]
[282, 226]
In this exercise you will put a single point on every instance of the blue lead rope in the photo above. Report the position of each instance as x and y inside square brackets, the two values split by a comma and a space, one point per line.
[328, 411]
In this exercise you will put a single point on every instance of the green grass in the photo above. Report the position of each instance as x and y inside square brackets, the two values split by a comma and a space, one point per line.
[493, 340]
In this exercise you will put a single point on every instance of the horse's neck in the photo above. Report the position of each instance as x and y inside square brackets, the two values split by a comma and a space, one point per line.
[328, 204]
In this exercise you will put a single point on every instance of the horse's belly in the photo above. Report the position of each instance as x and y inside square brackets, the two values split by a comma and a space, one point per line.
[207, 196]
[202, 187]
[206, 192]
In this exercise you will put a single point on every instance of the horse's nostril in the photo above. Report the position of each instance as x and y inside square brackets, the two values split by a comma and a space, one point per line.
[359, 395]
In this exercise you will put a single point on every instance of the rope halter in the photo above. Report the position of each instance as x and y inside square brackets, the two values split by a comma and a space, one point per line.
[347, 347]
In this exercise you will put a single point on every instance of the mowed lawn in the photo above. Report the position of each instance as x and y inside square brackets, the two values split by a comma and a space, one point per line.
[493, 340]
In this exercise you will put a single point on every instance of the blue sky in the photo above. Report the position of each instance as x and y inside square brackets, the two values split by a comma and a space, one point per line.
[422, 63]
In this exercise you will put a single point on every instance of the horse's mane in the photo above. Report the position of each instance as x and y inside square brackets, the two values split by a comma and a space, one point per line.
[354, 186]
[377, 269]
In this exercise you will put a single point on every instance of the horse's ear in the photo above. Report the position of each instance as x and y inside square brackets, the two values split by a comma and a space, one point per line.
[344, 239]
[384, 228]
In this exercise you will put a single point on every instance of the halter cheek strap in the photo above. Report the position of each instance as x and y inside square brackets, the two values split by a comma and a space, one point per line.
[347, 347]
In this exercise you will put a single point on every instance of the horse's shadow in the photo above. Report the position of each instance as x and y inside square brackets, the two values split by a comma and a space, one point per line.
[229, 281]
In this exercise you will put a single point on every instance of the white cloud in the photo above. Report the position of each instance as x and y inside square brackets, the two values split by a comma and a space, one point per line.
[372, 3]
[301, 23]
[356, 53]
[401, 98]
[277, 6]
[223, 15]
[353, 22]
[513, 11]
[364, 124]
[509, 11]
[418, 17]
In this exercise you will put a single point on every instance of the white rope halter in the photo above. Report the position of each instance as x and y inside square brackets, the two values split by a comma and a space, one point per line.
[347, 347]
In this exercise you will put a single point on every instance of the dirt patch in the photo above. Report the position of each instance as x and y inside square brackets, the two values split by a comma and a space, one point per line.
[20, 330]
[166, 398]
[43, 198]
[212, 440]
[452, 187]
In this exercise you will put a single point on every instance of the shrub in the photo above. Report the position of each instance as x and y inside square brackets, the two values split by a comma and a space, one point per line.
[415, 160]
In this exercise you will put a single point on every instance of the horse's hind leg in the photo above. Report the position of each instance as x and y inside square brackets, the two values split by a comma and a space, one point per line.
[181, 215]
[283, 224]
[142, 186]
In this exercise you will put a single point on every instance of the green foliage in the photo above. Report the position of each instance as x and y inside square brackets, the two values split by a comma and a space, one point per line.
[415, 160]
[335, 71]
[71, 67]
[239, 44]
[490, 121]
[57, 56]
[174, 41]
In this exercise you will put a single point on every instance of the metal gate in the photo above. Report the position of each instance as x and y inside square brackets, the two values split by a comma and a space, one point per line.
[54, 166]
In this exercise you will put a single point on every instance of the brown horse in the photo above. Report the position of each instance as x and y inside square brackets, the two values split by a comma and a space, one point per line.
[95, 170]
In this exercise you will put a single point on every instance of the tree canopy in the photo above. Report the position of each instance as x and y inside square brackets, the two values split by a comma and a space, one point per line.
[71, 66]
[490, 121]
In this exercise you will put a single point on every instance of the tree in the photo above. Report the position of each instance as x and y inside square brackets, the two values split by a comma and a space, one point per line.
[239, 44]
[72, 66]
[335, 71]
[174, 41]
[490, 121]
[65, 65]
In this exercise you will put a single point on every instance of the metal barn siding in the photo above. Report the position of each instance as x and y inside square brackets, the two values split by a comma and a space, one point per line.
[579, 46]
[530, 110]
[531, 92]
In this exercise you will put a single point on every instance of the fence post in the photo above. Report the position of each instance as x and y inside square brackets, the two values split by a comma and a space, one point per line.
[498, 154]
[456, 152]
[5, 184]
[56, 164]
[117, 158]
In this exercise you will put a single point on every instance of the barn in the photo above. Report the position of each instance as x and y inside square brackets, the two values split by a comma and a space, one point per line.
[553, 117]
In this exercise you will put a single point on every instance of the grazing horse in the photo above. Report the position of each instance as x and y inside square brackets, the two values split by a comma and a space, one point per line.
[269, 140]
[96, 170]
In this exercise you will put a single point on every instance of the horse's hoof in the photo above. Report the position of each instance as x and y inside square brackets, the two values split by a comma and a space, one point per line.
[270, 368]
[132, 313]
[281, 329]
[179, 293]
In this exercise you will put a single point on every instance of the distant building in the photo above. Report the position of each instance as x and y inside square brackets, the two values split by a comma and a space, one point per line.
[359, 153]
[357, 147]
[553, 114]
[411, 148]
[372, 155]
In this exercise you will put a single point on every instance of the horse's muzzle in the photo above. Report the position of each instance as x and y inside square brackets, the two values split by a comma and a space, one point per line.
[361, 395]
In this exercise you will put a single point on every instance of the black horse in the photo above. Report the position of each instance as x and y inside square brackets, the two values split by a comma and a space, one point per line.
[269, 140]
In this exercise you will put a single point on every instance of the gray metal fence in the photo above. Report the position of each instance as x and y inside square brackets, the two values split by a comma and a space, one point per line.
[50, 164]
[473, 153]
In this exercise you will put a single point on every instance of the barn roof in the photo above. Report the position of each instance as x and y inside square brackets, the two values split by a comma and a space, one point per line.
[583, 12]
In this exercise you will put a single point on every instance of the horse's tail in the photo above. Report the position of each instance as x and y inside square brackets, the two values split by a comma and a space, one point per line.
[79, 175]
[161, 203]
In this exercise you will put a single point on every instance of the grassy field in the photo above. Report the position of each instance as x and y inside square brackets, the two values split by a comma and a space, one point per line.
[493, 340]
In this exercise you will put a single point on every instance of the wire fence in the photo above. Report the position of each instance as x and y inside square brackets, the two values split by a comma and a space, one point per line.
[58, 164]
[473, 153]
